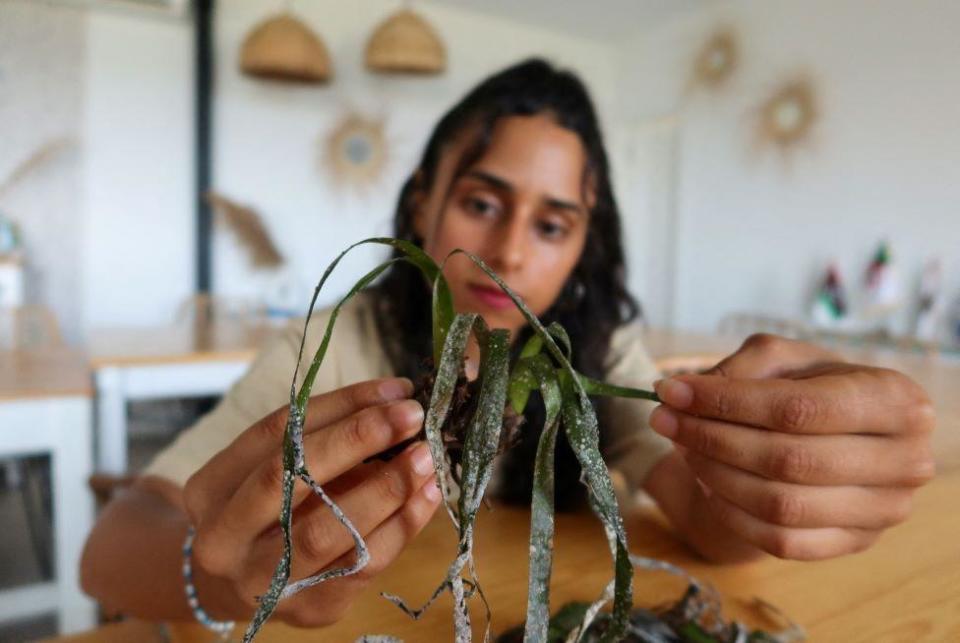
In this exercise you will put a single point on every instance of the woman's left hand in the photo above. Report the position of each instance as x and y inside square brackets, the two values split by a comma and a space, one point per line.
[798, 453]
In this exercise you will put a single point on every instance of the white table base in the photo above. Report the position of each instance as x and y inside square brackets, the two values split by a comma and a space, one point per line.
[118, 385]
[60, 427]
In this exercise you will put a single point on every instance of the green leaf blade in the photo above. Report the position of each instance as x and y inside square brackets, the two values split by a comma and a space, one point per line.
[596, 387]
[542, 508]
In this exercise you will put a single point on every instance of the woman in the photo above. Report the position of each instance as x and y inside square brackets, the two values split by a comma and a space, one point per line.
[782, 448]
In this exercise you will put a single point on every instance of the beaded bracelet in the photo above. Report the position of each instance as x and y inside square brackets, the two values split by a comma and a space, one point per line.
[223, 628]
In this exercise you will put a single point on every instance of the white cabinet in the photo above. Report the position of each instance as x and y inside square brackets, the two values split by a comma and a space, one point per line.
[11, 282]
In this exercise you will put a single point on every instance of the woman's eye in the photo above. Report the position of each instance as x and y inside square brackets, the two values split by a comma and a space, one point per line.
[552, 230]
[481, 207]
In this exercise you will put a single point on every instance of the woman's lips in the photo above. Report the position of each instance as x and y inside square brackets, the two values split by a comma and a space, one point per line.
[492, 297]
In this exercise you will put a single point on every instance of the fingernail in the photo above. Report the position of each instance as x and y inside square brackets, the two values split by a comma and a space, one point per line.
[422, 462]
[431, 491]
[395, 389]
[674, 392]
[665, 422]
[707, 491]
[406, 414]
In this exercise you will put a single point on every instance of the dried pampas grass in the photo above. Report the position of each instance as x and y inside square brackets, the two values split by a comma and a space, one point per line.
[41, 156]
[249, 229]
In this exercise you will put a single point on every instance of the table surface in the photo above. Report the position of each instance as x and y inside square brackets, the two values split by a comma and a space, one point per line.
[30, 374]
[178, 343]
[902, 589]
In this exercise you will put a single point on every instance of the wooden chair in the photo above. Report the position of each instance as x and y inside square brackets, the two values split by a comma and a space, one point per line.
[203, 309]
[105, 486]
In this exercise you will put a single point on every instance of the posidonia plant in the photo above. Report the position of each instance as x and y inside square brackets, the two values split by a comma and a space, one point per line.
[497, 397]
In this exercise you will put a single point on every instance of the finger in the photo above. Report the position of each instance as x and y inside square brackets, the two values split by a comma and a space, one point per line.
[213, 484]
[866, 400]
[384, 543]
[763, 356]
[789, 542]
[328, 453]
[350, 479]
[318, 537]
[801, 459]
[266, 435]
[792, 505]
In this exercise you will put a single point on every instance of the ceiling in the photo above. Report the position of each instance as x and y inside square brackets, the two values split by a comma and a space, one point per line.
[591, 19]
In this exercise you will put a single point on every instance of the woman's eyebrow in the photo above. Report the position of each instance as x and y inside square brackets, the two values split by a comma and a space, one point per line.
[492, 179]
[562, 204]
[502, 184]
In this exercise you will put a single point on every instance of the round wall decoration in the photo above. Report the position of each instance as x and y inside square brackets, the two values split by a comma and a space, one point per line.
[356, 151]
[788, 116]
[717, 60]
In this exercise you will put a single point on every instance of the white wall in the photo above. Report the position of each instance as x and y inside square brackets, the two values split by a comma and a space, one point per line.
[41, 70]
[138, 226]
[269, 136]
[754, 229]
[138, 232]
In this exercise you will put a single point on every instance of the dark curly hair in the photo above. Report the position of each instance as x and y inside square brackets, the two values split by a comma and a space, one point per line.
[593, 302]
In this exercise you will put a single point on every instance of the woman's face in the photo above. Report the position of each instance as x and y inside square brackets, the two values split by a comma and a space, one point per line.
[520, 207]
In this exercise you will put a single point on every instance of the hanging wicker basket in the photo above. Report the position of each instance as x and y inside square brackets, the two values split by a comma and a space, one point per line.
[405, 43]
[283, 48]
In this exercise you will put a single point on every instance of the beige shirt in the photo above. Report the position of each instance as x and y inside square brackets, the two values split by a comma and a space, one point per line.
[355, 354]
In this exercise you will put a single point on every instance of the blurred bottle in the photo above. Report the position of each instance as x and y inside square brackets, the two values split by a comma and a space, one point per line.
[9, 236]
[930, 305]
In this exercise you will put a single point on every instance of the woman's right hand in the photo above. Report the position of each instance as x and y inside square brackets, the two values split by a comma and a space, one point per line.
[234, 500]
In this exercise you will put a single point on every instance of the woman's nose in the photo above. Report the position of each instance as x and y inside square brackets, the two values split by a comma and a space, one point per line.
[509, 246]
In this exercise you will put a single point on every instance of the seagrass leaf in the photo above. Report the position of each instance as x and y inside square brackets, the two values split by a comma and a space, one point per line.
[596, 387]
[580, 423]
[445, 382]
[360, 546]
[565, 394]
[522, 383]
[532, 347]
[532, 319]
[442, 304]
[307, 387]
[480, 447]
[483, 434]
[443, 313]
[542, 506]
[268, 602]
[479, 450]
[522, 380]
[293, 436]
[559, 333]
[442, 300]
[293, 465]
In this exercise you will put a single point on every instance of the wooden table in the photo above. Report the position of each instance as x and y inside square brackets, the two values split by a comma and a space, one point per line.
[171, 361]
[45, 408]
[904, 589]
